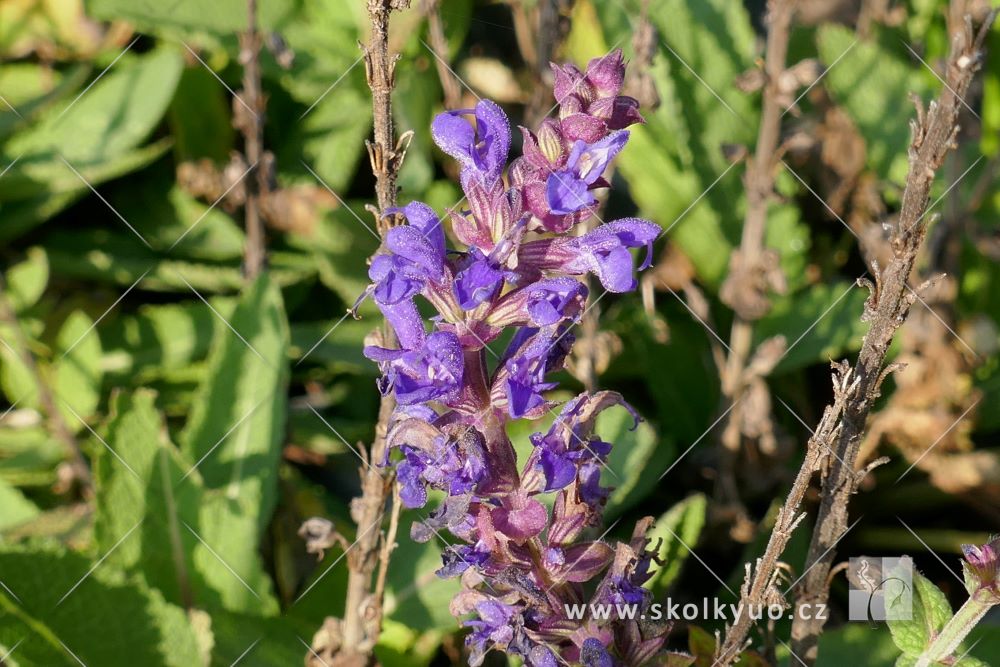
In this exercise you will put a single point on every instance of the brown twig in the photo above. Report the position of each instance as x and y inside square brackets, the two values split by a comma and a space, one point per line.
[363, 604]
[435, 32]
[934, 132]
[551, 28]
[752, 266]
[248, 118]
[46, 397]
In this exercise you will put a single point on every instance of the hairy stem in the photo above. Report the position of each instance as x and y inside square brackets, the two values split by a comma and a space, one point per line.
[960, 625]
[363, 607]
[934, 133]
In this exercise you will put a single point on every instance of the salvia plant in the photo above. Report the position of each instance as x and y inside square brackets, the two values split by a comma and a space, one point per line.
[524, 251]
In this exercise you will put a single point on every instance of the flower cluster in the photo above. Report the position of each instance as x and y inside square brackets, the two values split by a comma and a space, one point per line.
[982, 569]
[521, 560]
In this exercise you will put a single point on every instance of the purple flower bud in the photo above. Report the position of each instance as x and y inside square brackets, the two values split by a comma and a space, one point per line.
[617, 112]
[433, 372]
[481, 150]
[593, 653]
[520, 517]
[607, 73]
[568, 190]
[568, 81]
[541, 656]
[982, 565]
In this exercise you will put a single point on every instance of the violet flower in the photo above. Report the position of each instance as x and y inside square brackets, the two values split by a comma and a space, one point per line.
[520, 562]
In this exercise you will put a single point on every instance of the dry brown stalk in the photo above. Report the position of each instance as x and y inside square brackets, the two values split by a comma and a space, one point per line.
[435, 32]
[934, 132]
[249, 121]
[753, 268]
[363, 602]
[833, 448]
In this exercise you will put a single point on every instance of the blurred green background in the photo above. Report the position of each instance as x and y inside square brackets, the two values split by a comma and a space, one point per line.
[217, 416]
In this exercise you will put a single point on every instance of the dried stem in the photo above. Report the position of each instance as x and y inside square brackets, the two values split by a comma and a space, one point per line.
[250, 122]
[744, 290]
[46, 397]
[934, 132]
[363, 606]
[435, 32]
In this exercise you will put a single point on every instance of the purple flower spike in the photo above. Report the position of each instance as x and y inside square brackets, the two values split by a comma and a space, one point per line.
[433, 372]
[482, 149]
[519, 560]
[568, 190]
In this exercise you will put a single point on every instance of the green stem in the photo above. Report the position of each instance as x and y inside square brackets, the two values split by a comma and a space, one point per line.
[960, 625]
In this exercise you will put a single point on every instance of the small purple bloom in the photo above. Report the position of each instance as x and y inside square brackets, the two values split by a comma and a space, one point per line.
[604, 252]
[478, 280]
[433, 372]
[482, 149]
[459, 558]
[568, 190]
[531, 355]
[493, 629]
[982, 565]
[422, 218]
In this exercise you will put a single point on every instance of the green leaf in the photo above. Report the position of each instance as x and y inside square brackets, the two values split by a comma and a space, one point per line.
[98, 133]
[16, 508]
[237, 423]
[27, 280]
[159, 339]
[107, 620]
[681, 525]
[638, 457]
[112, 118]
[22, 215]
[218, 16]
[873, 83]
[197, 547]
[31, 89]
[674, 163]
[78, 368]
[200, 117]
[819, 323]
[930, 613]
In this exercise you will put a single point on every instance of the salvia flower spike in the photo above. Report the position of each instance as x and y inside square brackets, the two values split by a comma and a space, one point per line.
[517, 269]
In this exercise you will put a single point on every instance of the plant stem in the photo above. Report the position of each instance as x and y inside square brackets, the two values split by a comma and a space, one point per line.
[759, 183]
[363, 607]
[934, 132]
[250, 122]
[960, 625]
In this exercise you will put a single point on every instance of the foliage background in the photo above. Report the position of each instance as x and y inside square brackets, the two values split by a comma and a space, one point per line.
[217, 416]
